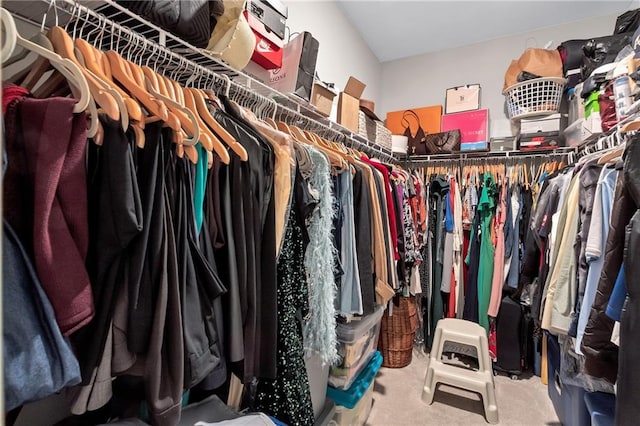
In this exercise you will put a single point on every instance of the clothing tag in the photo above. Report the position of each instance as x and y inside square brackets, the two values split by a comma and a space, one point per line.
[615, 335]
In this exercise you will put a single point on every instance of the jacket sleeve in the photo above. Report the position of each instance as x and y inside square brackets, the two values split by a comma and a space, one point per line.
[601, 356]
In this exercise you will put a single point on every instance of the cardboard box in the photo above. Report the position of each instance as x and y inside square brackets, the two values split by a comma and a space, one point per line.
[429, 118]
[322, 98]
[349, 104]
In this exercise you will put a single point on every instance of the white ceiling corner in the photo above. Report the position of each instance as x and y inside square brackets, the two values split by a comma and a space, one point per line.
[399, 29]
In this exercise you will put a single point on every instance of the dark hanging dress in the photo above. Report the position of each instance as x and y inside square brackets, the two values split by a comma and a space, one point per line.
[288, 397]
[437, 195]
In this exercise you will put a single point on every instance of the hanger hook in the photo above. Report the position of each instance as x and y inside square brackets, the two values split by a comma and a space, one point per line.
[52, 4]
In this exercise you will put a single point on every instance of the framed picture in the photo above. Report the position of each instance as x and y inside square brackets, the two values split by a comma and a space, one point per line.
[462, 98]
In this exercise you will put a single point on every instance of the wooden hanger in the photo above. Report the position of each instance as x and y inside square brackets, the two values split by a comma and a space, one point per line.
[63, 45]
[177, 117]
[612, 156]
[214, 142]
[271, 122]
[210, 120]
[298, 135]
[94, 62]
[631, 126]
[122, 73]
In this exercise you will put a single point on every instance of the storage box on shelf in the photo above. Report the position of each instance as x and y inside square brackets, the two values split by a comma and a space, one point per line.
[548, 123]
[354, 405]
[374, 130]
[542, 140]
[576, 133]
[506, 143]
[357, 342]
[322, 98]
[267, 20]
[349, 104]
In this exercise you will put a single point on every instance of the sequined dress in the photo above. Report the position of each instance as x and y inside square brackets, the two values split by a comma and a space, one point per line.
[288, 397]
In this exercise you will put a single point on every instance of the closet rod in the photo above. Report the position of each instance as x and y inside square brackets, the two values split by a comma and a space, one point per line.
[132, 36]
[490, 156]
[596, 142]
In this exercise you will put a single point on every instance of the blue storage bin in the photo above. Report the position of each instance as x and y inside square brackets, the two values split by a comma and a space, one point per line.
[537, 357]
[349, 398]
[601, 407]
[568, 400]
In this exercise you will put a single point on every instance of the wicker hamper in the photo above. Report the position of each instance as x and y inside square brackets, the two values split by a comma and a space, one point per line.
[397, 332]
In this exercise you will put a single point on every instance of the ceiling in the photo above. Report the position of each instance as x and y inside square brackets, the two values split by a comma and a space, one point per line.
[399, 29]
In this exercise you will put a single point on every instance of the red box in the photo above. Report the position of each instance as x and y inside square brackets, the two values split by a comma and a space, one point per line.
[268, 51]
[473, 126]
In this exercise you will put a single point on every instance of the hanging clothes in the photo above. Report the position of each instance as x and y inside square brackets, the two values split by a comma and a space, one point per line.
[486, 206]
[319, 330]
[627, 401]
[53, 219]
[499, 256]
[288, 397]
[439, 188]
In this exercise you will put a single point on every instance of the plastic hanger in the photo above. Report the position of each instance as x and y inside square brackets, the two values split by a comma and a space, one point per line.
[69, 70]
[10, 38]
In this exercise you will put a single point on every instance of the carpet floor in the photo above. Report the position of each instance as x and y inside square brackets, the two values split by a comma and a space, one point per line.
[397, 400]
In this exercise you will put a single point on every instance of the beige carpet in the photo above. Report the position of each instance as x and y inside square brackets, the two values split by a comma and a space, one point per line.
[397, 400]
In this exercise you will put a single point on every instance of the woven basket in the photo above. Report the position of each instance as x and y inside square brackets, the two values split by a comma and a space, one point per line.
[397, 332]
[374, 131]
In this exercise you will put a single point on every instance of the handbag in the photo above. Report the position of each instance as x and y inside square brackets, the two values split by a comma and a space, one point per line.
[443, 142]
[414, 142]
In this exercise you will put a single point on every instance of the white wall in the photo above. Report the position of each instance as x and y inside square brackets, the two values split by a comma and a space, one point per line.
[342, 52]
[422, 80]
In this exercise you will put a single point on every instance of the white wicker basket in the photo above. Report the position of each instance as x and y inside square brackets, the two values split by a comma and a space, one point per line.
[540, 96]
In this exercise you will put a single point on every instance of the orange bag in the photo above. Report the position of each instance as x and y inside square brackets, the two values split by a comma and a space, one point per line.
[540, 62]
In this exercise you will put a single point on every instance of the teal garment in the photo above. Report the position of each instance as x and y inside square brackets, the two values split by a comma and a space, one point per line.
[199, 186]
[486, 209]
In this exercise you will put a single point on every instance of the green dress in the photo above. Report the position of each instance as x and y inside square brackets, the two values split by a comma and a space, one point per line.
[486, 209]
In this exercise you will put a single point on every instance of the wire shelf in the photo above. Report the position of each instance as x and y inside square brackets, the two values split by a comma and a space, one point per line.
[107, 25]
[462, 156]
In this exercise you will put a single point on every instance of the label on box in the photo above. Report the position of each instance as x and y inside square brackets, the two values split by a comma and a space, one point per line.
[473, 126]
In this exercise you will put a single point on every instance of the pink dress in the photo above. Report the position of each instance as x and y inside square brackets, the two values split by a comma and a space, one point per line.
[498, 258]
